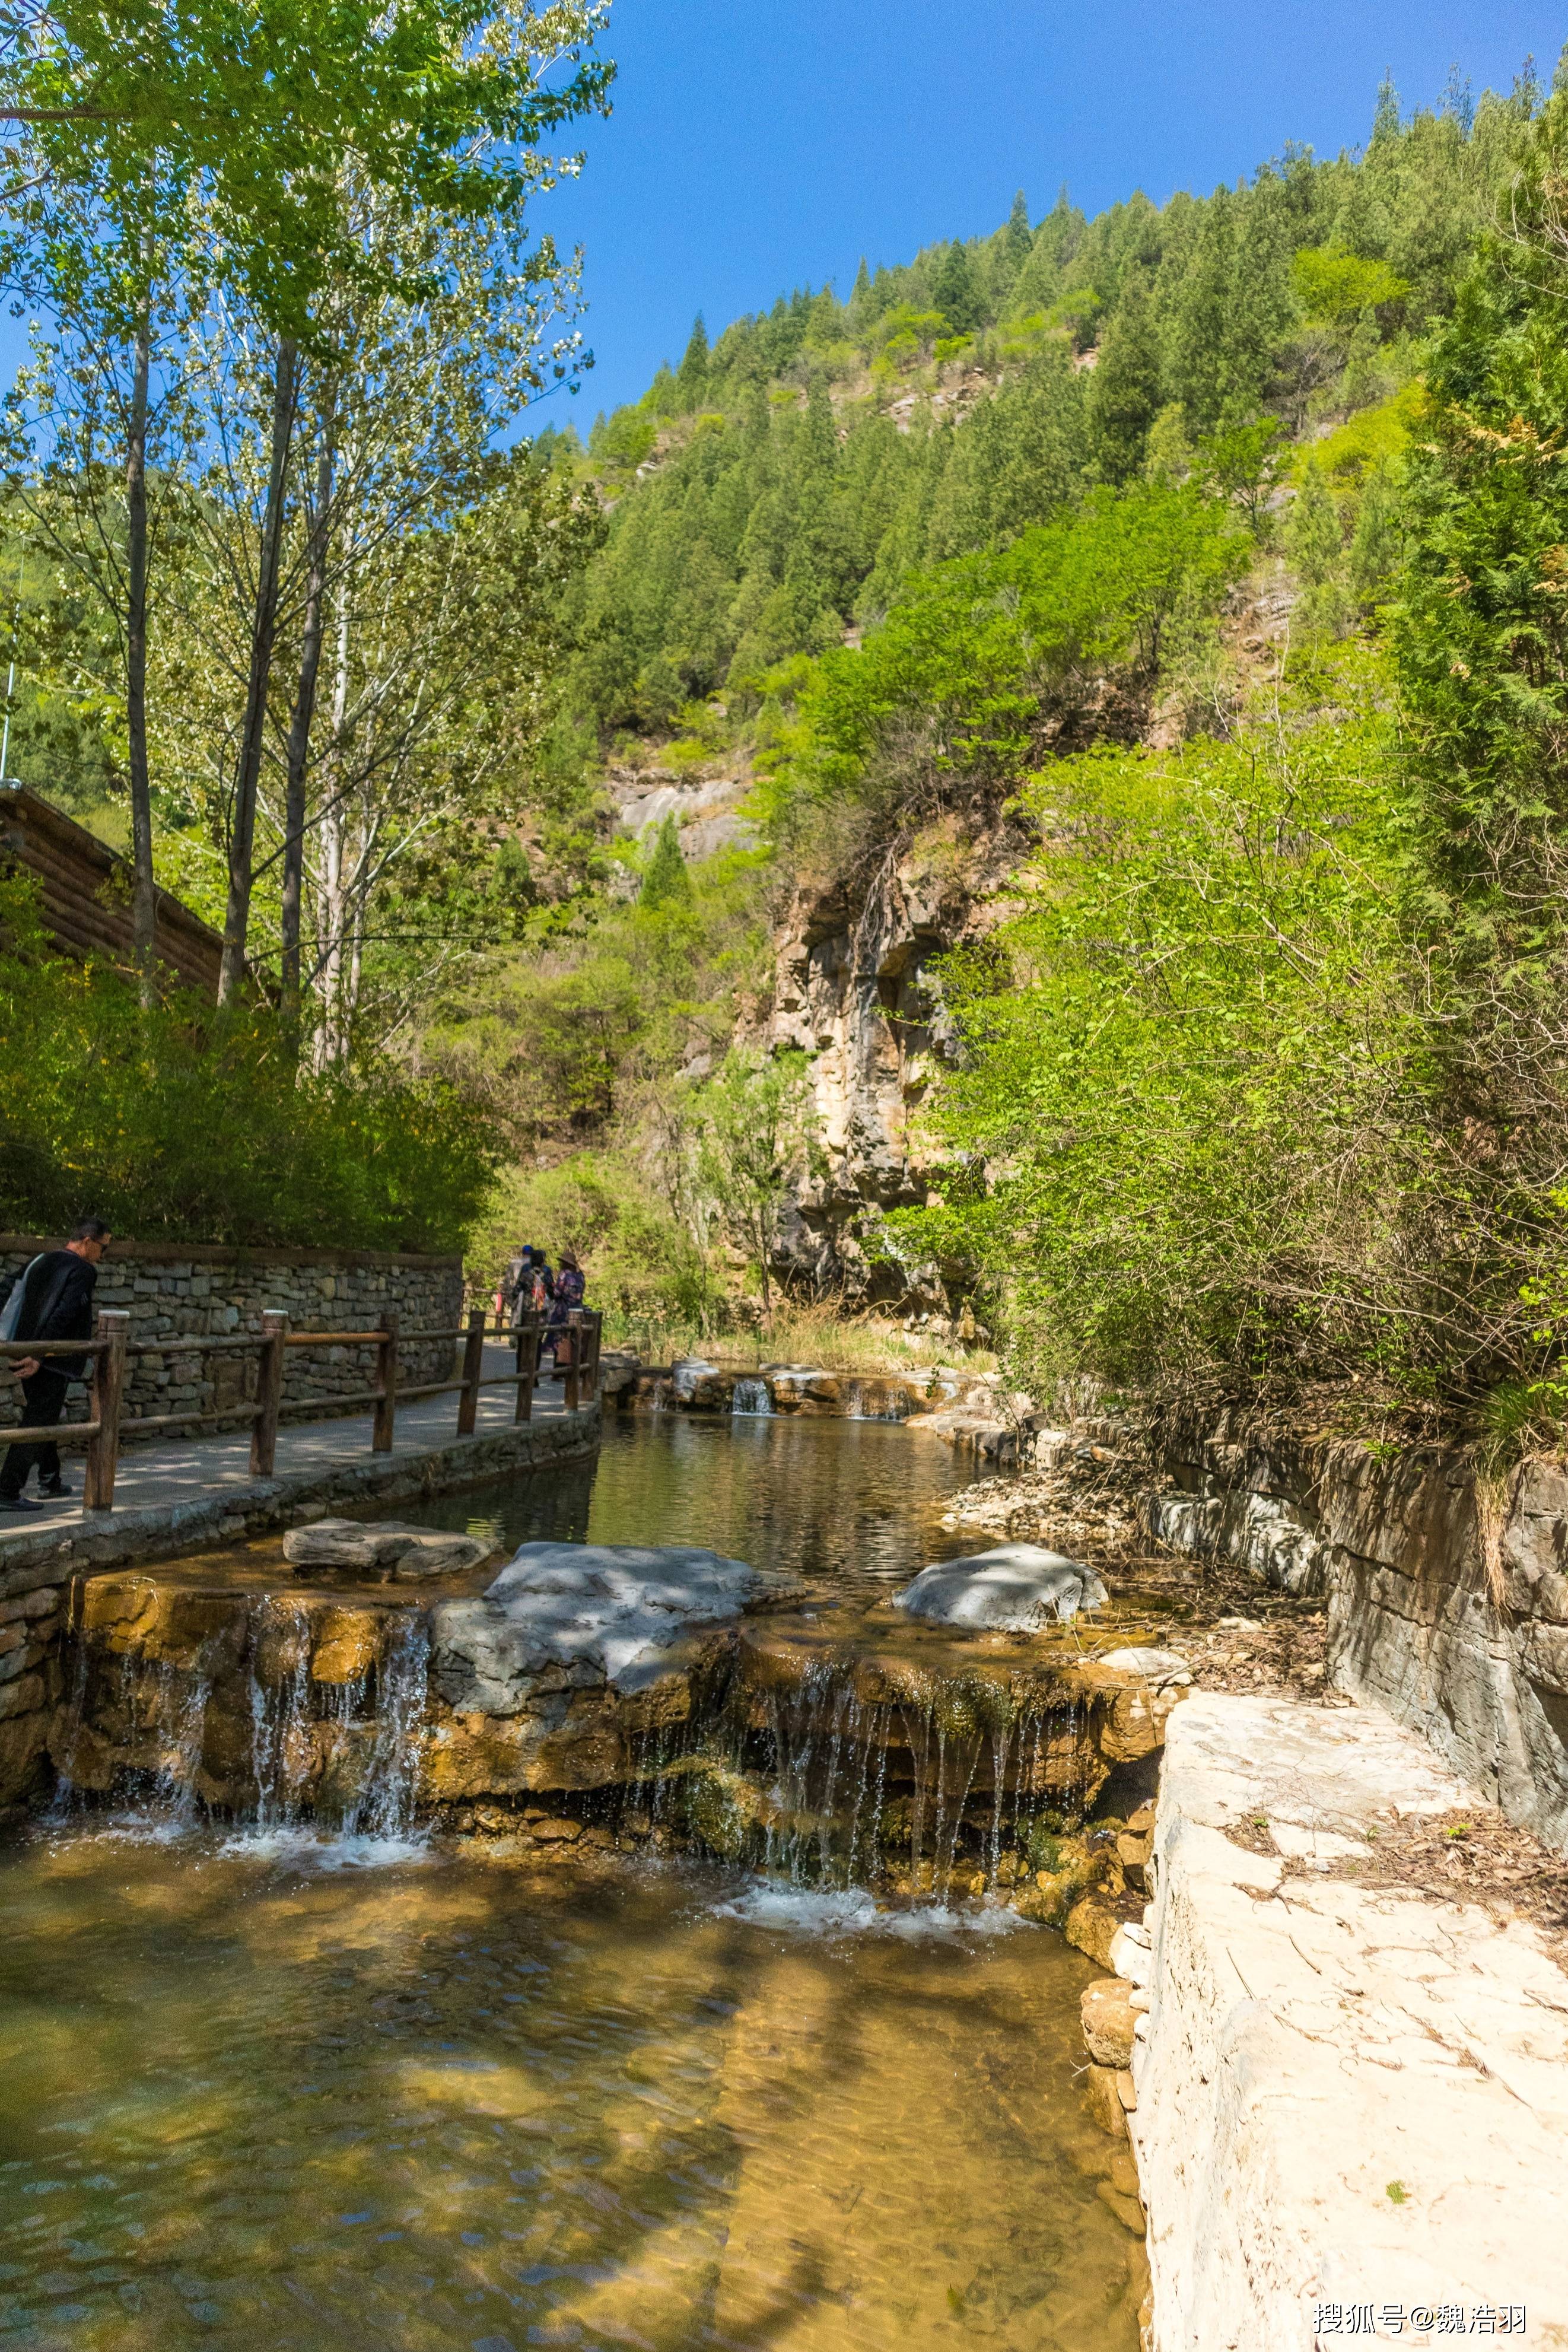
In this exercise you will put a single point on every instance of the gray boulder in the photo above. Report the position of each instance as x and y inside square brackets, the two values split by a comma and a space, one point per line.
[381, 1551]
[1016, 1588]
[567, 1615]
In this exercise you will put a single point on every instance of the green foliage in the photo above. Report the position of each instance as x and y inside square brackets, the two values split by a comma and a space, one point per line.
[759, 529]
[754, 1130]
[1335, 287]
[439, 101]
[985, 659]
[666, 882]
[185, 1124]
[1170, 1149]
[1243, 462]
[1314, 541]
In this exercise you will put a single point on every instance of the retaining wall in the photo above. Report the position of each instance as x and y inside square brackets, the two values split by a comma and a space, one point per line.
[183, 1292]
[1448, 1609]
[38, 1565]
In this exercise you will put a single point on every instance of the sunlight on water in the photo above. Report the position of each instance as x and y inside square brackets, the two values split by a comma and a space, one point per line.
[254, 2103]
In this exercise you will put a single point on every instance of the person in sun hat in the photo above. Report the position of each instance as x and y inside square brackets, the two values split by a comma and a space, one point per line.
[570, 1288]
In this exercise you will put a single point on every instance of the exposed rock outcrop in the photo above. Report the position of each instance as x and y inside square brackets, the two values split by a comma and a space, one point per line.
[856, 986]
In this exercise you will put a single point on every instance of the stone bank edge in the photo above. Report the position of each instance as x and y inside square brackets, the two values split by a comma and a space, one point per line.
[37, 1566]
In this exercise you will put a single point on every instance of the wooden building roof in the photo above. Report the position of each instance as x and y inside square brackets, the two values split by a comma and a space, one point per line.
[85, 888]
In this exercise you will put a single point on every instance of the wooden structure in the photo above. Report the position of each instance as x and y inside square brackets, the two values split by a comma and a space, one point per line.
[110, 1348]
[85, 888]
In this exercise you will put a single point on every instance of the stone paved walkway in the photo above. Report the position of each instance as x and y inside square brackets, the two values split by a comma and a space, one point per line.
[200, 1469]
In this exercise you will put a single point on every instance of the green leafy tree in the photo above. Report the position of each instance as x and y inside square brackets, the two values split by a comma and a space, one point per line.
[666, 882]
[1243, 462]
[756, 1125]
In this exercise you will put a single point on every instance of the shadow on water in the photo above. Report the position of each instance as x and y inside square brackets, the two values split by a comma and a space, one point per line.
[262, 2096]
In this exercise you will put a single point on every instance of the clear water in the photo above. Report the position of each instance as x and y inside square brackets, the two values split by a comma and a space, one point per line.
[853, 1503]
[271, 2089]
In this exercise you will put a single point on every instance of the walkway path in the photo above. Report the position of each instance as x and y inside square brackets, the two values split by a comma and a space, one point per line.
[203, 1476]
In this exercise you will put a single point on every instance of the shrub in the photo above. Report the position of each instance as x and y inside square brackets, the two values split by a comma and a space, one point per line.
[182, 1122]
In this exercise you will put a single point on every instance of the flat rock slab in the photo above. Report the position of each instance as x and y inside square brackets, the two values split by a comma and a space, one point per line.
[1351, 2100]
[562, 1614]
[381, 1551]
[1016, 1588]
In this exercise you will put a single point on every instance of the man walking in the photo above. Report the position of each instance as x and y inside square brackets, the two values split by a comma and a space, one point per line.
[56, 1304]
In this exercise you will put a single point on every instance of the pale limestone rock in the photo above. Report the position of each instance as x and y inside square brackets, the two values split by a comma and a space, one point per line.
[1016, 1588]
[1161, 1667]
[1109, 2020]
[1312, 2042]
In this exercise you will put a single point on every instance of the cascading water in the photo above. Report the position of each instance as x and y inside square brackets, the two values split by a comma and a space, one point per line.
[752, 1400]
[825, 1776]
[384, 1806]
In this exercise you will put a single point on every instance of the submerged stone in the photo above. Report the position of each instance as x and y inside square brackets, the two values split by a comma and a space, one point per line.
[1016, 1588]
[380, 1550]
[579, 1614]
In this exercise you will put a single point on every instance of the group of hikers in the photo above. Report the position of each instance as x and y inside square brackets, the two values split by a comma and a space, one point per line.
[533, 1291]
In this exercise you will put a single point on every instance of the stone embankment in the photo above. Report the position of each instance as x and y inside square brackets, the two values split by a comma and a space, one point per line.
[1347, 2096]
[1440, 1597]
[1447, 1601]
[38, 1565]
[180, 1293]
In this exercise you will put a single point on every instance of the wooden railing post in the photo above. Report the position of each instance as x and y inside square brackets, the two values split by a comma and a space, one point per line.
[386, 1384]
[528, 1365]
[108, 1398]
[574, 1361]
[268, 1393]
[595, 1342]
[473, 1372]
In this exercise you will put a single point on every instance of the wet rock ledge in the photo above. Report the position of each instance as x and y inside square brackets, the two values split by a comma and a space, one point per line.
[626, 1695]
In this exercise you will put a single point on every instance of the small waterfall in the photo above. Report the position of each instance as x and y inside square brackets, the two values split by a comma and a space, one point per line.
[752, 1400]
[282, 1745]
[385, 1803]
[824, 1776]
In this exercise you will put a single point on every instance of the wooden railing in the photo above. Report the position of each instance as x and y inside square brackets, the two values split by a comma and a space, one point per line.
[111, 1349]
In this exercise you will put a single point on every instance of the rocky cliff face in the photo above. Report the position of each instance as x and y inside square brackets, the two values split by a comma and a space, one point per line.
[857, 986]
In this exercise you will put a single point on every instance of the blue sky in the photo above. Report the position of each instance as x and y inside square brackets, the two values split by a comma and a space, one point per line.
[755, 146]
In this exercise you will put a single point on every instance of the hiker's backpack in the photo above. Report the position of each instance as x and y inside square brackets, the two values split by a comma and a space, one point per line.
[11, 1313]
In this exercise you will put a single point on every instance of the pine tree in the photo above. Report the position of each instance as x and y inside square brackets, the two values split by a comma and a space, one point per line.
[1126, 389]
[955, 294]
[1019, 235]
[666, 882]
[691, 383]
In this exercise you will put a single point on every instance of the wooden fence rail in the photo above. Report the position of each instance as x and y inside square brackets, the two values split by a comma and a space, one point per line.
[579, 1343]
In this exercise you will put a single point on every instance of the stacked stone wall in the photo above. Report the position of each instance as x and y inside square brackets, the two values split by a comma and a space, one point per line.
[1447, 1601]
[178, 1294]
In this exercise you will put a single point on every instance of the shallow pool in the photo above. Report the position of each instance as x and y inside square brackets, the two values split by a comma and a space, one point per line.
[290, 2090]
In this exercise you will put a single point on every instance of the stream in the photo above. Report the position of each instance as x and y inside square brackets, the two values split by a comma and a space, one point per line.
[269, 2085]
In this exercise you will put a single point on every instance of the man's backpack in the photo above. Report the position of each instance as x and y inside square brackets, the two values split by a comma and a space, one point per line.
[11, 1313]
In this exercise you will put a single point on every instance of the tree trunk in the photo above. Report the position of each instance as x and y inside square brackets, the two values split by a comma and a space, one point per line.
[299, 729]
[264, 630]
[331, 899]
[144, 889]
